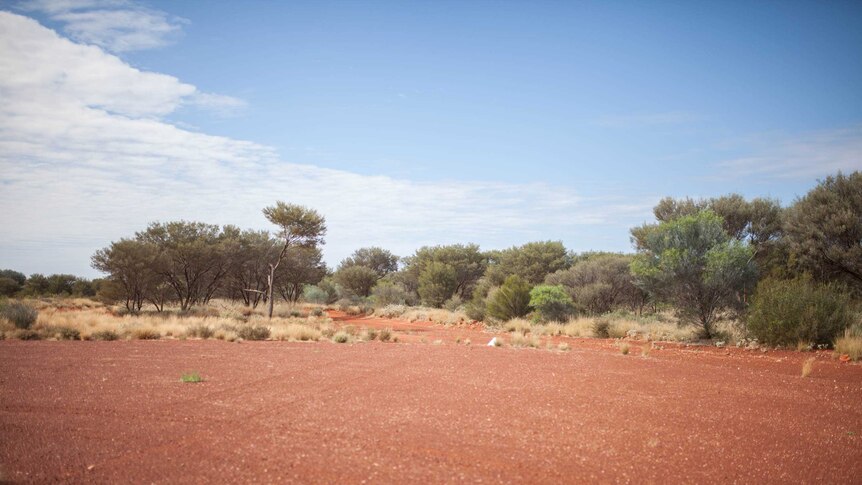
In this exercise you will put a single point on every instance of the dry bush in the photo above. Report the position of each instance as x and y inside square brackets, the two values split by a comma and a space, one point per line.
[521, 340]
[385, 335]
[297, 332]
[850, 345]
[518, 325]
[341, 337]
[624, 349]
[423, 314]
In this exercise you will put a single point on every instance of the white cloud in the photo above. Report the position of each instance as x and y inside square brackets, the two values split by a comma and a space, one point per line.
[86, 157]
[116, 25]
[799, 156]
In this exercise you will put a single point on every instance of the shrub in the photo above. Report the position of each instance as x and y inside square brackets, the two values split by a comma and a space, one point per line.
[551, 302]
[146, 334]
[385, 335]
[253, 332]
[602, 328]
[27, 334]
[200, 331]
[388, 293]
[20, 314]
[783, 312]
[453, 304]
[850, 345]
[511, 300]
[104, 335]
[63, 333]
[437, 283]
[191, 378]
[341, 337]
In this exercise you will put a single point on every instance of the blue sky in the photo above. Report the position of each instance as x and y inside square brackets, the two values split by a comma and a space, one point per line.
[411, 123]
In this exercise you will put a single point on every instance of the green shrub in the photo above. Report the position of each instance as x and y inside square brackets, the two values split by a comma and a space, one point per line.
[551, 302]
[20, 314]
[512, 300]
[253, 332]
[388, 293]
[437, 283]
[191, 378]
[104, 335]
[784, 312]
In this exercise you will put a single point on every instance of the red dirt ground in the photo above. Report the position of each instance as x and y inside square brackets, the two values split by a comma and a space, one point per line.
[371, 412]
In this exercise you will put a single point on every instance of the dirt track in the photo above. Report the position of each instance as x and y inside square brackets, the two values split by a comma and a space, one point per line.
[374, 412]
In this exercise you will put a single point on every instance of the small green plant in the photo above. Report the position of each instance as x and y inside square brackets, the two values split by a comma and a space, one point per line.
[253, 332]
[20, 314]
[191, 378]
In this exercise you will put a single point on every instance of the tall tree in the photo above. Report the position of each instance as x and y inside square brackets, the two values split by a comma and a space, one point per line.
[379, 260]
[298, 226]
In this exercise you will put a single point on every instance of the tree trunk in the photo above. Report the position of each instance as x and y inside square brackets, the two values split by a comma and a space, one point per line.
[270, 280]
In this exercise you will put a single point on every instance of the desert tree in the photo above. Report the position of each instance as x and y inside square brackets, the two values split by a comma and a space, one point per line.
[298, 226]
[532, 261]
[132, 268]
[357, 280]
[302, 266]
[379, 260]
[692, 263]
[600, 282]
[824, 230]
[466, 260]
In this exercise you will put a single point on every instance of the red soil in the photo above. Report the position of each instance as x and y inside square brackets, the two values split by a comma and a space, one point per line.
[324, 412]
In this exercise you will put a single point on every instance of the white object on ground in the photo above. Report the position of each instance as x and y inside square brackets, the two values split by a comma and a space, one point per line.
[493, 342]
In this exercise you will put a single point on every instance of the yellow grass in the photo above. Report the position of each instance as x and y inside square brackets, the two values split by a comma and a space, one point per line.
[220, 320]
[422, 314]
[850, 345]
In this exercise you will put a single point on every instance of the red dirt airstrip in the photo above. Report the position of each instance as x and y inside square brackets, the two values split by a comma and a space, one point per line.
[418, 412]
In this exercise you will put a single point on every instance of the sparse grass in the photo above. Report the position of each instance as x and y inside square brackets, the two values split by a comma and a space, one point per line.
[200, 330]
[808, 366]
[254, 332]
[803, 346]
[850, 345]
[296, 332]
[646, 349]
[423, 314]
[191, 378]
[106, 335]
[146, 334]
[521, 340]
[564, 347]
[467, 342]
[624, 349]
[519, 325]
[385, 335]
[369, 334]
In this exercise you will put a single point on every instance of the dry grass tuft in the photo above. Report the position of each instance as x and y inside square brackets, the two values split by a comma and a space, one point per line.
[624, 349]
[564, 347]
[646, 349]
[850, 345]
[341, 337]
[295, 332]
[521, 340]
[423, 314]
[519, 325]
[808, 366]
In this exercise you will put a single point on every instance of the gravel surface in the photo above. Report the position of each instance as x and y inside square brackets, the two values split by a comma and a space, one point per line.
[111, 412]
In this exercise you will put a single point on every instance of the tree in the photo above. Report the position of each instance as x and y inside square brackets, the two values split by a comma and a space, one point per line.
[379, 260]
[532, 261]
[192, 256]
[465, 260]
[301, 266]
[437, 283]
[132, 268]
[694, 264]
[249, 254]
[358, 280]
[551, 302]
[11, 282]
[511, 300]
[600, 282]
[824, 230]
[297, 226]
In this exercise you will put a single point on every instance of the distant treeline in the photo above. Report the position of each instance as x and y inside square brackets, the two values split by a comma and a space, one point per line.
[707, 259]
[14, 283]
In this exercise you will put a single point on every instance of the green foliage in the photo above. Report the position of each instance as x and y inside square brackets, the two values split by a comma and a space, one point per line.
[785, 312]
[298, 225]
[389, 293]
[301, 266]
[692, 263]
[465, 260]
[381, 261]
[511, 300]
[532, 261]
[551, 302]
[600, 282]
[358, 280]
[437, 283]
[253, 332]
[824, 230]
[323, 293]
[11, 282]
[20, 314]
